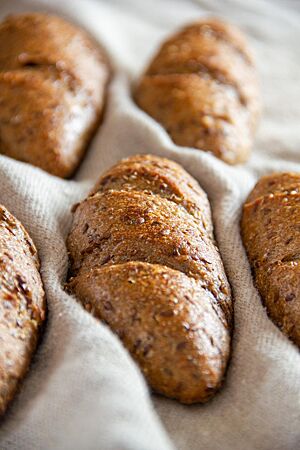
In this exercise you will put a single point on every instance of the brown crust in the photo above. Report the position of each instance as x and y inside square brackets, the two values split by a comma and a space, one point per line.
[159, 176]
[52, 95]
[166, 320]
[271, 235]
[22, 304]
[277, 183]
[143, 262]
[202, 87]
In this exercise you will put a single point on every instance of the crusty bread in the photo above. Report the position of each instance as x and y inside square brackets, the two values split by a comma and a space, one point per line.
[202, 87]
[22, 304]
[53, 79]
[144, 260]
[271, 235]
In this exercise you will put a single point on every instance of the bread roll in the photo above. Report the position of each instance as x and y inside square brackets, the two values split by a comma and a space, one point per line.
[143, 259]
[202, 87]
[22, 304]
[271, 235]
[53, 79]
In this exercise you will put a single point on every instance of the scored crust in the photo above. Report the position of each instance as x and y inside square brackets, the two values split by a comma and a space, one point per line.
[202, 87]
[52, 91]
[144, 260]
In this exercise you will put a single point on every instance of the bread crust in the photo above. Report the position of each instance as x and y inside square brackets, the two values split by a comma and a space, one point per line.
[166, 321]
[271, 235]
[22, 304]
[160, 176]
[143, 261]
[202, 87]
[53, 80]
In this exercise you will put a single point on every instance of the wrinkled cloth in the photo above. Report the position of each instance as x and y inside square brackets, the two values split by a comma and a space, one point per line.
[83, 390]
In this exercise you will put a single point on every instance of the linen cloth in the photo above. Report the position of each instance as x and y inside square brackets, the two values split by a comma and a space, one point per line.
[83, 390]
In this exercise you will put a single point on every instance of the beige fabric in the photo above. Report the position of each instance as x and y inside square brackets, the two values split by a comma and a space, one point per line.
[83, 391]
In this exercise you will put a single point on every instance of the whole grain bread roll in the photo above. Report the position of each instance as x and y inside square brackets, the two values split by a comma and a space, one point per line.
[144, 260]
[271, 235]
[202, 87]
[22, 304]
[53, 80]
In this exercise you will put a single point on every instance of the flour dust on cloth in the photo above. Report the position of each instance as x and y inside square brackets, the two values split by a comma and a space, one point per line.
[83, 390]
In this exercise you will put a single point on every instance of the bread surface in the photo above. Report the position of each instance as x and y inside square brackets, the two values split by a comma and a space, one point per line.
[202, 87]
[144, 260]
[53, 79]
[22, 304]
[271, 235]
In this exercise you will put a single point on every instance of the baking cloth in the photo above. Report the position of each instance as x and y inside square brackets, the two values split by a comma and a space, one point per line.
[83, 391]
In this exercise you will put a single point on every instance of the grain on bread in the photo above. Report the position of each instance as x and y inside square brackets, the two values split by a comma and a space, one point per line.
[22, 304]
[53, 80]
[144, 260]
[202, 87]
[271, 235]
